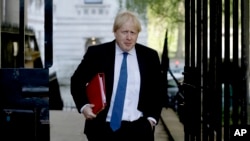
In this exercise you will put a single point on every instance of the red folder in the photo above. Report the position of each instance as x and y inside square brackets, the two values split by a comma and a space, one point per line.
[96, 92]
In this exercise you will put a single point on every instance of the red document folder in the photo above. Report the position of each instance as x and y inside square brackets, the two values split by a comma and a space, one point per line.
[96, 92]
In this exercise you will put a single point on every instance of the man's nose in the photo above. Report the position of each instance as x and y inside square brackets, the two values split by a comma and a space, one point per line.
[129, 35]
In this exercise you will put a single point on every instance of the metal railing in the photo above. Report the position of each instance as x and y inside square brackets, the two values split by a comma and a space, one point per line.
[219, 98]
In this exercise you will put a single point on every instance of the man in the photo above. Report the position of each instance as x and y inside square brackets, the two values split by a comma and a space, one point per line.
[144, 88]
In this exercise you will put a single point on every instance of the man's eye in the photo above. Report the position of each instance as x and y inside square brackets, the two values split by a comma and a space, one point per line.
[132, 33]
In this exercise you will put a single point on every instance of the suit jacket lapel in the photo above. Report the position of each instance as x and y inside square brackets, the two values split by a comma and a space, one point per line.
[141, 64]
[109, 69]
[140, 59]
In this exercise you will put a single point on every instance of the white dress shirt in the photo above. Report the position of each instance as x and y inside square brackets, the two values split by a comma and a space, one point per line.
[130, 111]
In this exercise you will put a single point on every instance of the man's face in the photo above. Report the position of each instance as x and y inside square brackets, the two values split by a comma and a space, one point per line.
[126, 36]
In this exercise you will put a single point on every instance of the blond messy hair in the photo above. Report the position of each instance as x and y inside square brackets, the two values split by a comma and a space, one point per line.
[124, 16]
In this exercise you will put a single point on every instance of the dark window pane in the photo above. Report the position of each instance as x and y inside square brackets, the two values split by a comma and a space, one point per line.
[92, 1]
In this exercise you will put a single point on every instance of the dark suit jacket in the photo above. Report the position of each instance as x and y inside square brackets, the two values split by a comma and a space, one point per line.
[100, 58]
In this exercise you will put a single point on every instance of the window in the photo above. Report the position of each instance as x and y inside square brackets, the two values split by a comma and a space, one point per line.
[92, 1]
[92, 41]
[86, 11]
[101, 11]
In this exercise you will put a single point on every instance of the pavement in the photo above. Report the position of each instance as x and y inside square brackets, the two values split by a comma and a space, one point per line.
[66, 126]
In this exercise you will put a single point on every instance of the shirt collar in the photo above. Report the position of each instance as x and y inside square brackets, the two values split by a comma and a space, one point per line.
[119, 51]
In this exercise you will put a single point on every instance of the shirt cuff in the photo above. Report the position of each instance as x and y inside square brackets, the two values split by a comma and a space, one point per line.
[81, 110]
[152, 119]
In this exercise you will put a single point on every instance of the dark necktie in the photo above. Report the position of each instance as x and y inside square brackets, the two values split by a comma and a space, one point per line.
[116, 116]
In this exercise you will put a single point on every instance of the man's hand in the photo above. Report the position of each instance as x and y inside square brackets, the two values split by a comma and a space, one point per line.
[87, 112]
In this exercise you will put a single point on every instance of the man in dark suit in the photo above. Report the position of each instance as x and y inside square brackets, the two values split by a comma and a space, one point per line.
[144, 90]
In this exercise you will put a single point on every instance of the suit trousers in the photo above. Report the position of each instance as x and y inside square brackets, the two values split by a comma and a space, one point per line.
[129, 131]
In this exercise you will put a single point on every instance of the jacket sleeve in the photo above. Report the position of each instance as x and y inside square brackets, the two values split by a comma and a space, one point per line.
[81, 76]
